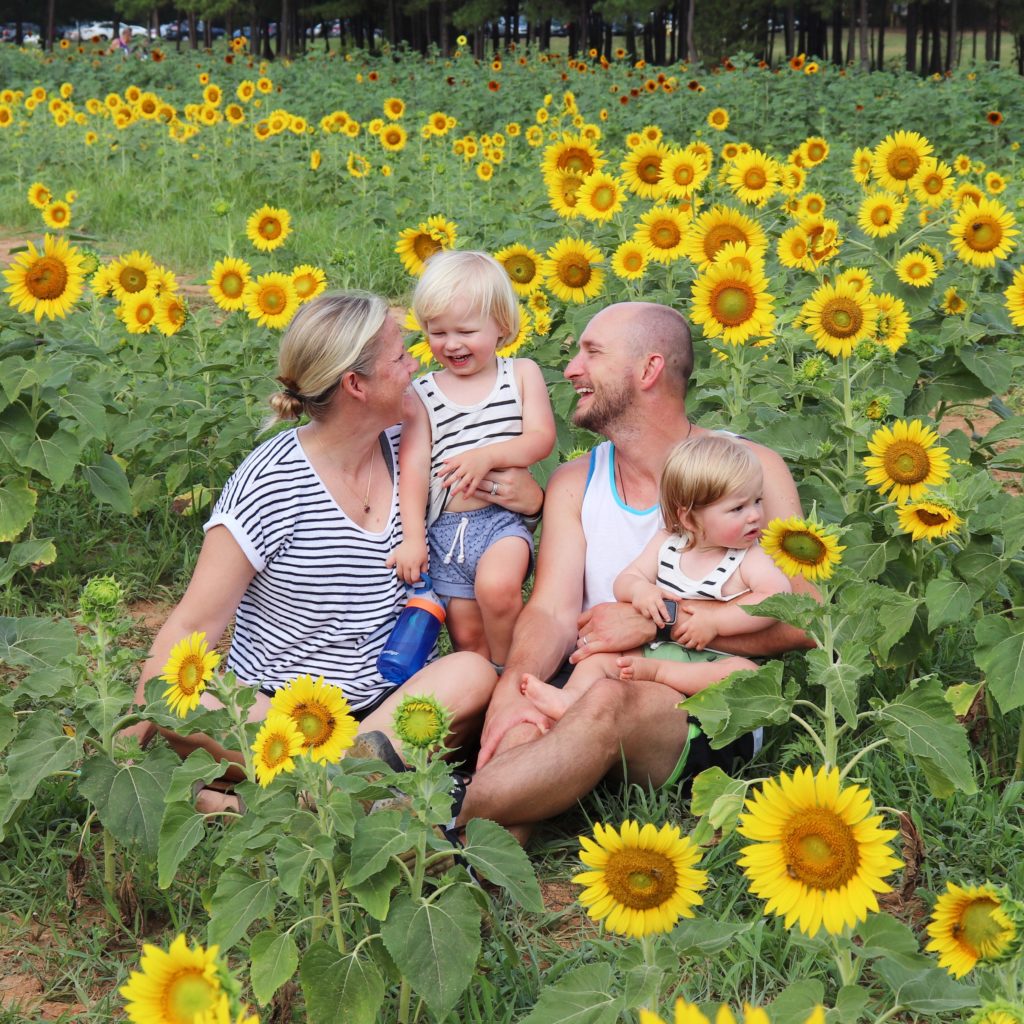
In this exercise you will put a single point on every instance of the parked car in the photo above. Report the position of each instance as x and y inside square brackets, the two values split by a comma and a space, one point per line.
[102, 31]
[175, 30]
[9, 31]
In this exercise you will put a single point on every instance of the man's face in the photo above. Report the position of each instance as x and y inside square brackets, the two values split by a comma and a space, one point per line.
[601, 372]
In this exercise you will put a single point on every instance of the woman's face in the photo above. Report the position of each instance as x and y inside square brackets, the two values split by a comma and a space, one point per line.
[392, 370]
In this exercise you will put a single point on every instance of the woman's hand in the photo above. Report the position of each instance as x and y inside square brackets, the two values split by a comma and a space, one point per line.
[514, 489]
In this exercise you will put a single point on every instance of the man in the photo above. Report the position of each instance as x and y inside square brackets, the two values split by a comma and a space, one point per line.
[631, 374]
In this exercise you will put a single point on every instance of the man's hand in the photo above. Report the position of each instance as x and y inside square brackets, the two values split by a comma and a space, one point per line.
[511, 721]
[612, 627]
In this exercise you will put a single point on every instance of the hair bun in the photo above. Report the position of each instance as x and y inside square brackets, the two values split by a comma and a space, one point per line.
[286, 405]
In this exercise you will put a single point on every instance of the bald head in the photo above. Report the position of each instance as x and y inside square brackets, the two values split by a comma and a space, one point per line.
[651, 327]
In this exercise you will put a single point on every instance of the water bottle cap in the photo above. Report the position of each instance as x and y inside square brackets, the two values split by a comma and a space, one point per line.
[437, 610]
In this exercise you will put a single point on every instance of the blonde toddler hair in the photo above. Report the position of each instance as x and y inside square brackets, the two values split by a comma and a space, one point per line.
[701, 471]
[453, 274]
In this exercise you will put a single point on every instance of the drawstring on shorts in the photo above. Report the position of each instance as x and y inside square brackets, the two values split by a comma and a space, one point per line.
[460, 540]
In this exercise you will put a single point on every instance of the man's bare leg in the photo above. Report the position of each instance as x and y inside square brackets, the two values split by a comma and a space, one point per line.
[685, 677]
[534, 780]
[554, 701]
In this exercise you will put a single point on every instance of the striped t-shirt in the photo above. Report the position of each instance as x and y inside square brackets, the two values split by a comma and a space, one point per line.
[459, 428]
[322, 601]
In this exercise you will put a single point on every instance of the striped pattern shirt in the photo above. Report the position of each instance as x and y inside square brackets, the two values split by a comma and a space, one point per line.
[322, 601]
[458, 428]
[675, 581]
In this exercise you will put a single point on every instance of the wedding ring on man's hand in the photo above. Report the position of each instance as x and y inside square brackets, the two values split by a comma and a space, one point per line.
[585, 641]
[494, 487]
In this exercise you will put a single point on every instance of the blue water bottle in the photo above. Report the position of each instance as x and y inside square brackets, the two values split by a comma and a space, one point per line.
[415, 633]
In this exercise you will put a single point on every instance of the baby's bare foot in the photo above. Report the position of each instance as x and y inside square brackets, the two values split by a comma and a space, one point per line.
[552, 701]
[643, 669]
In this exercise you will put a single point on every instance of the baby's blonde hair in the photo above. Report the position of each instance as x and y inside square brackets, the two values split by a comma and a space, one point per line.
[701, 471]
[453, 274]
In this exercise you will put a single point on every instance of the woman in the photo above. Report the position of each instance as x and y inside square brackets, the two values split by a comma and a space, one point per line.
[296, 547]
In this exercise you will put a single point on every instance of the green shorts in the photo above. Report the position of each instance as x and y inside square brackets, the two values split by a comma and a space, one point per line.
[671, 651]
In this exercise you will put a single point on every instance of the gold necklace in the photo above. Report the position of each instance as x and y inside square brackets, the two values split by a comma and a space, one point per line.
[369, 475]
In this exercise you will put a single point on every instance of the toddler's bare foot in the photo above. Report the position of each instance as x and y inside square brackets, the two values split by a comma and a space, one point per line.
[638, 669]
[549, 699]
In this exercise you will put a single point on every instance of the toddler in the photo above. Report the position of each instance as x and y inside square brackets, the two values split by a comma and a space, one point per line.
[708, 552]
[480, 412]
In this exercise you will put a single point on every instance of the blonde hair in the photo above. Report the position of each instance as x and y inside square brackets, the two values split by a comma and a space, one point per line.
[332, 335]
[701, 471]
[453, 274]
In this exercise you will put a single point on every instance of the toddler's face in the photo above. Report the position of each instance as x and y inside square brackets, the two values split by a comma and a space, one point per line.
[463, 341]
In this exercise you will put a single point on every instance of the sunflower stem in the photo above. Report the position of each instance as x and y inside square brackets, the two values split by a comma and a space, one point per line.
[810, 732]
[844, 964]
[1018, 765]
[339, 935]
[848, 421]
[860, 753]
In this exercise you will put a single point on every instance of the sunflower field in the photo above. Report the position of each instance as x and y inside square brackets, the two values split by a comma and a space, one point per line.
[847, 249]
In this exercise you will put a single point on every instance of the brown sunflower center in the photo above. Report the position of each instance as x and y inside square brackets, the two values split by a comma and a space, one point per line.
[232, 285]
[187, 995]
[305, 284]
[132, 279]
[665, 234]
[270, 228]
[732, 303]
[683, 174]
[983, 235]
[145, 312]
[929, 518]
[46, 278]
[979, 927]
[902, 163]
[315, 723]
[275, 750]
[906, 462]
[816, 152]
[820, 849]
[722, 234]
[842, 318]
[754, 178]
[648, 170]
[574, 271]
[521, 268]
[804, 547]
[917, 270]
[881, 215]
[640, 879]
[604, 198]
[932, 184]
[190, 674]
[273, 299]
[633, 261]
[576, 161]
[425, 246]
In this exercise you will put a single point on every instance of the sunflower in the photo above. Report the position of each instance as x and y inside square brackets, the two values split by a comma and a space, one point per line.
[814, 150]
[174, 987]
[810, 205]
[46, 283]
[689, 1013]
[732, 304]
[880, 214]
[893, 324]
[485, 170]
[308, 281]
[994, 117]
[718, 119]
[641, 879]
[571, 271]
[416, 245]
[793, 249]
[357, 166]
[683, 172]
[917, 269]
[905, 461]
[393, 138]
[525, 267]
[718, 226]
[227, 283]
[57, 215]
[394, 108]
[995, 183]
[1014, 298]
[277, 743]
[271, 300]
[187, 671]
[953, 304]
[802, 547]
[320, 713]
[563, 193]
[245, 91]
[630, 260]
[600, 196]
[642, 169]
[663, 230]
[39, 195]
[171, 313]
[573, 154]
[861, 165]
[526, 329]
[138, 311]
[754, 177]
[422, 722]
[838, 316]
[933, 182]
[983, 232]
[928, 519]
[897, 159]
[817, 854]
[968, 925]
[268, 228]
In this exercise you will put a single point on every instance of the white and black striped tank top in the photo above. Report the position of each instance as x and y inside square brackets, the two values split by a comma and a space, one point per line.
[322, 600]
[459, 428]
[674, 580]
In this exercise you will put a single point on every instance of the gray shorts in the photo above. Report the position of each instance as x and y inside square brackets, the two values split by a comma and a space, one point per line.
[456, 549]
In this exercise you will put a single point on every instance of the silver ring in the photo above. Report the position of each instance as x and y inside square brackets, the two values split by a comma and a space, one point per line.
[585, 641]
[494, 487]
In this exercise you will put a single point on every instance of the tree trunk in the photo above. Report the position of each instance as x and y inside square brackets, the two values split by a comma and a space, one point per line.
[911, 28]
[193, 41]
[837, 34]
[691, 45]
[880, 62]
[951, 55]
[658, 26]
[790, 31]
[862, 34]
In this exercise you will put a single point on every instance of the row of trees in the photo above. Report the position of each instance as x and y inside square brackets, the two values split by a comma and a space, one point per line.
[933, 35]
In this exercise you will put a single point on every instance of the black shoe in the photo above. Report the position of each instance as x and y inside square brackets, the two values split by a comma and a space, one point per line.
[375, 746]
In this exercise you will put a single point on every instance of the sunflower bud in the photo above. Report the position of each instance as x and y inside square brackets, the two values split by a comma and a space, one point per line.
[220, 208]
[422, 722]
[101, 599]
[1000, 1012]
[811, 369]
[876, 408]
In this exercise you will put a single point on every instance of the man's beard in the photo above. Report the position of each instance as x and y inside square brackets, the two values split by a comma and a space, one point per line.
[604, 409]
